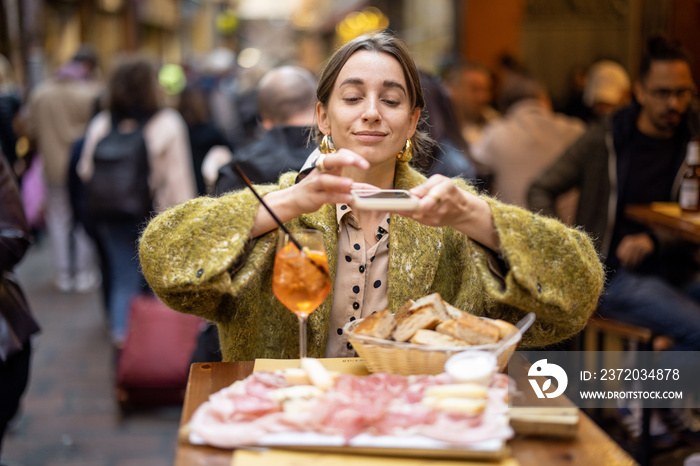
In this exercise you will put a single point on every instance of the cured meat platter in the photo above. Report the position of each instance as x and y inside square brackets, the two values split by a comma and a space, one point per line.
[334, 405]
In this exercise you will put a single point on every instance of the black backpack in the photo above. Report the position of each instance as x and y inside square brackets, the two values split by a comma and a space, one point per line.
[118, 189]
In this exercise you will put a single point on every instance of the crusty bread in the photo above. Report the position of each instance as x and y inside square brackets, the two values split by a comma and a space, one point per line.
[424, 317]
[378, 325]
[405, 311]
[431, 337]
[457, 405]
[471, 329]
[504, 328]
[457, 390]
[438, 305]
[318, 375]
[453, 312]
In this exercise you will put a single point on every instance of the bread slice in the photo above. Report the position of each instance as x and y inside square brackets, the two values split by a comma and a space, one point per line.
[378, 325]
[471, 329]
[504, 328]
[472, 406]
[438, 305]
[423, 317]
[453, 312]
[457, 390]
[431, 337]
[405, 311]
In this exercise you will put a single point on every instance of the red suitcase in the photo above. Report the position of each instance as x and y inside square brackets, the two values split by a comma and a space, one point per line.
[153, 366]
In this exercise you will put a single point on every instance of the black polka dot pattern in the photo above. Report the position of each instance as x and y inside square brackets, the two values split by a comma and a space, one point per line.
[348, 259]
[379, 237]
[340, 331]
[349, 346]
[371, 259]
[381, 230]
[378, 283]
[343, 207]
[356, 305]
[352, 319]
[355, 289]
[356, 246]
[362, 269]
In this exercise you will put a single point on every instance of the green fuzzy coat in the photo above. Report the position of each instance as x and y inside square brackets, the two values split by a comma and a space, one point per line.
[198, 259]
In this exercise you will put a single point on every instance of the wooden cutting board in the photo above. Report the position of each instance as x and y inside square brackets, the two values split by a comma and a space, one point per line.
[557, 417]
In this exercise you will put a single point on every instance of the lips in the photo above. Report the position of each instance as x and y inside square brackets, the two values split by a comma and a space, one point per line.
[370, 136]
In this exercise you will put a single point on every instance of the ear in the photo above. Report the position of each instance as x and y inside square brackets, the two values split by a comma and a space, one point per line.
[415, 116]
[322, 119]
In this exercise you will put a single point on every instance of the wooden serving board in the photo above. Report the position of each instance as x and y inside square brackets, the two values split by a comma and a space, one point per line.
[557, 417]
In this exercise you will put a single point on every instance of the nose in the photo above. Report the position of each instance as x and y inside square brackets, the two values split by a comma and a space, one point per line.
[371, 110]
[676, 101]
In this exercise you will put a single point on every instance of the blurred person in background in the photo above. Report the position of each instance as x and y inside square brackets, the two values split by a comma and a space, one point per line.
[203, 133]
[133, 99]
[59, 110]
[527, 139]
[219, 83]
[607, 88]
[16, 322]
[470, 87]
[286, 104]
[450, 155]
[10, 103]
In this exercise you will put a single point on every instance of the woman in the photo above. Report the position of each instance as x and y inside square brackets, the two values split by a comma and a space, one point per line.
[214, 257]
[133, 100]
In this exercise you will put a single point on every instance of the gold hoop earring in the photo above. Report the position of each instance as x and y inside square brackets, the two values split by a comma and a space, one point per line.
[407, 153]
[326, 146]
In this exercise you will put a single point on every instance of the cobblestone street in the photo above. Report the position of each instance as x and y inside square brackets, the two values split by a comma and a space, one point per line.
[69, 414]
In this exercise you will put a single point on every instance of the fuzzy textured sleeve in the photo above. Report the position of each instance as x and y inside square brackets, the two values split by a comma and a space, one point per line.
[552, 270]
[195, 253]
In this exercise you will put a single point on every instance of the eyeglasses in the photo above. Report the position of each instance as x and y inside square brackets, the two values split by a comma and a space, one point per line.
[682, 93]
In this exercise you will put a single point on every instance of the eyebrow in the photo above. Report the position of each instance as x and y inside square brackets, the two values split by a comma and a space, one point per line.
[387, 83]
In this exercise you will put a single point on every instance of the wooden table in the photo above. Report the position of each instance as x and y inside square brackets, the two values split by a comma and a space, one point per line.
[667, 217]
[591, 446]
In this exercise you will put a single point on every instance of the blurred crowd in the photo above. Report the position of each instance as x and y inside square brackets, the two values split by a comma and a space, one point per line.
[499, 128]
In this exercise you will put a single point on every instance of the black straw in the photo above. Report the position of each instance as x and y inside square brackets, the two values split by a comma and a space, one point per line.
[267, 207]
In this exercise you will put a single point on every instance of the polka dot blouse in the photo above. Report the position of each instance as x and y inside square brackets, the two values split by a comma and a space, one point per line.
[360, 284]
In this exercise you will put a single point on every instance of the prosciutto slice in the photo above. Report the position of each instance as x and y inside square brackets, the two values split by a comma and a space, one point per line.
[379, 404]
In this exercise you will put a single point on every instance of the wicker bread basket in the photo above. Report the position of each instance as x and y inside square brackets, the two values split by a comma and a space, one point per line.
[408, 358]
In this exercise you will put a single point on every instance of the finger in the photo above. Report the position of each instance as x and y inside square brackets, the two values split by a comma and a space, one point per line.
[344, 158]
[422, 189]
[333, 183]
[364, 186]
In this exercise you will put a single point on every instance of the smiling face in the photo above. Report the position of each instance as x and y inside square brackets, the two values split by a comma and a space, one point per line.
[369, 110]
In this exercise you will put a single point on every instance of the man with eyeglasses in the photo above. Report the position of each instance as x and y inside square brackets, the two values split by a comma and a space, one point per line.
[637, 157]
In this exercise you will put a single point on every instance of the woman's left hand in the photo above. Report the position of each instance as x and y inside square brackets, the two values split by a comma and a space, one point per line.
[441, 202]
[444, 204]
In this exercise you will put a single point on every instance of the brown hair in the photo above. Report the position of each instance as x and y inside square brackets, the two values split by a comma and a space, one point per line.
[383, 43]
[133, 89]
[193, 106]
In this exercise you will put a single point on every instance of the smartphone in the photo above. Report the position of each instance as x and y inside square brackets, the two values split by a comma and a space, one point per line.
[384, 199]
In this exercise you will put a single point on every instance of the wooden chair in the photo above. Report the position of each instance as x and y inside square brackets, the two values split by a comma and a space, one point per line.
[603, 334]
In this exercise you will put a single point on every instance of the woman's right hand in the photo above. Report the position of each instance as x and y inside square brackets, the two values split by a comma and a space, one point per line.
[326, 183]
[311, 193]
